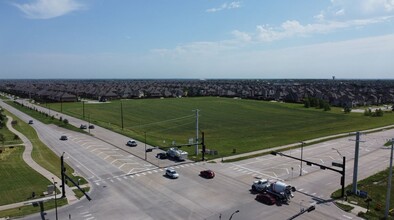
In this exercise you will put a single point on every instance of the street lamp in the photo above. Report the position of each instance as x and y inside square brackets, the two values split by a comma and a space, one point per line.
[89, 123]
[233, 214]
[302, 152]
[145, 144]
[54, 185]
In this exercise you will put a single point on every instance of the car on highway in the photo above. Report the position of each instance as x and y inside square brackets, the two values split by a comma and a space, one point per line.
[161, 155]
[63, 138]
[91, 126]
[266, 198]
[131, 143]
[30, 122]
[83, 127]
[170, 172]
[209, 174]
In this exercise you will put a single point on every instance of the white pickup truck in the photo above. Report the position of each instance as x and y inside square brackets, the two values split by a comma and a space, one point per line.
[260, 185]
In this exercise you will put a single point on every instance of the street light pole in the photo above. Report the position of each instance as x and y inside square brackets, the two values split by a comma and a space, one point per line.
[145, 143]
[302, 152]
[54, 185]
[389, 181]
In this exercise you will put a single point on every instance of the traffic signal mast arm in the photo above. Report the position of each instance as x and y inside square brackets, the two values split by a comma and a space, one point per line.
[309, 163]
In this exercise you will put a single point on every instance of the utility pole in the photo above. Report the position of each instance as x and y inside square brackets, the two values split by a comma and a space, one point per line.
[145, 143]
[355, 169]
[386, 213]
[302, 152]
[121, 113]
[197, 111]
[83, 109]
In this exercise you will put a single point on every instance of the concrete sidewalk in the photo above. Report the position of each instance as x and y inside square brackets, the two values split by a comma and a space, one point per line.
[356, 209]
[299, 144]
[30, 162]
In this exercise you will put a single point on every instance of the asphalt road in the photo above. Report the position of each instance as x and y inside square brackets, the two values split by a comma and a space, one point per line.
[136, 189]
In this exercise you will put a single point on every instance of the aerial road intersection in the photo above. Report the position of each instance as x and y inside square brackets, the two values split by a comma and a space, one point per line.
[126, 186]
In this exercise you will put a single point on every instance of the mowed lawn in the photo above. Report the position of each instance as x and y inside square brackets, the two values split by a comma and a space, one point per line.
[244, 125]
[18, 180]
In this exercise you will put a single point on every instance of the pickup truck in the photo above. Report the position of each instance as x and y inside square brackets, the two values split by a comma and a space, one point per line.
[260, 185]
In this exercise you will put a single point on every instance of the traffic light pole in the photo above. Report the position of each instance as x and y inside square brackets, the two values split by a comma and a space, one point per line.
[310, 163]
[64, 176]
[63, 170]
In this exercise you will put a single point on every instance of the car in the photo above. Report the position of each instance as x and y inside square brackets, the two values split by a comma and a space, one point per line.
[91, 126]
[207, 174]
[63, 138]
[161, 155]
[131, 143]
[266, 198]
[172, 173]
[30, 122]
[83, 127]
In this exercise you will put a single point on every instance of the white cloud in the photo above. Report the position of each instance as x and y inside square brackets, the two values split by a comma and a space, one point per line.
[293, 28]
[359, 8]
[231, 5]
[242, 36]
[45, 9]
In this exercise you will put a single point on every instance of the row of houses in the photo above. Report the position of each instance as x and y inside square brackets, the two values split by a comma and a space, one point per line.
[336, 92]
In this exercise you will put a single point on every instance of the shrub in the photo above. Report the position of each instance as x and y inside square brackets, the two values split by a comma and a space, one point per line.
[65, 121]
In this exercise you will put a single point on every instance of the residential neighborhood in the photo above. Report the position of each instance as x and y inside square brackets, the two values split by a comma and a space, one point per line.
[336, 92]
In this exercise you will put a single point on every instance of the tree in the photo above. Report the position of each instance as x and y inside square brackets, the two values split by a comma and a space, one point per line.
[367, 112]
[307, 103]
[326, 107]
[347, 109]
[65, 121]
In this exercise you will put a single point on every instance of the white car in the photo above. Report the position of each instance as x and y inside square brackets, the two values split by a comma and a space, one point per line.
[131, 143]
[172, 173]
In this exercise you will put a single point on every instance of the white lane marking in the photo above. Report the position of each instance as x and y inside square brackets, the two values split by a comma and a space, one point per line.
[119, 179]
[87, 215]
[137, 174]
[85, 167]
[149, 172]
[313, 194]
[155, 171]
[348, 217]
[97, 183]
[83, 213]
[161, 170]
[144, 174]
[322, 160]
[125, 177]
[111, 180]
[300, 189]
[89, 218]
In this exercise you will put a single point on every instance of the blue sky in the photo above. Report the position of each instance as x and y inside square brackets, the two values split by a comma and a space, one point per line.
[196, 39]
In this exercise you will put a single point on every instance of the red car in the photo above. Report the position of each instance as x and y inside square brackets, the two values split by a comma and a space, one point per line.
[266, 198]
[207, 174]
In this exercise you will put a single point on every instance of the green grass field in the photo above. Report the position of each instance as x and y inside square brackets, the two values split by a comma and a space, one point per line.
[18, 180]
[41, 153]
[244, 125]
[376, 186]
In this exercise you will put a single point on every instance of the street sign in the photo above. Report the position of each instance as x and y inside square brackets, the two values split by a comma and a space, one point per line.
[337, 164]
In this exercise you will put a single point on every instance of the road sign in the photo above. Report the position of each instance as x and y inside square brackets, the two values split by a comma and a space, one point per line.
[337, 164]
